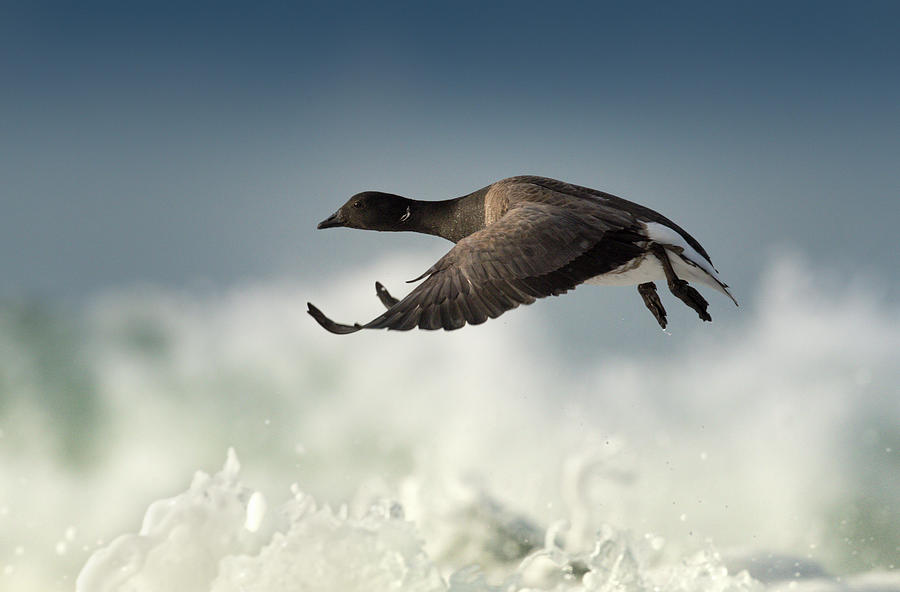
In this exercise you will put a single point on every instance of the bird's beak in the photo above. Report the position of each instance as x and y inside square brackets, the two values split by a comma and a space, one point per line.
[331, 221]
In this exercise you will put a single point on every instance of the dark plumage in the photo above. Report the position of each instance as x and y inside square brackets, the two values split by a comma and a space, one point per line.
[525, 238]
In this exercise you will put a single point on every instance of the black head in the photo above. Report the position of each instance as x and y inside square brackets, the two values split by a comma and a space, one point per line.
[371, 210]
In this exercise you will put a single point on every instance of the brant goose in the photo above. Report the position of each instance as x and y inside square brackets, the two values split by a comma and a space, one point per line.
[525, 238]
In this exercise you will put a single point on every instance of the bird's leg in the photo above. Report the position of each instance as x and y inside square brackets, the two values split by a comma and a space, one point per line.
[679, 287]
[651, 299]
[386, 299]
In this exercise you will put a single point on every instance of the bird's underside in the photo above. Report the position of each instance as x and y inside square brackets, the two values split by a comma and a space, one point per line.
[493, 297]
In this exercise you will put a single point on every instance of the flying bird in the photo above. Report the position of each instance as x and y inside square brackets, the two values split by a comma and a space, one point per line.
[525, 238]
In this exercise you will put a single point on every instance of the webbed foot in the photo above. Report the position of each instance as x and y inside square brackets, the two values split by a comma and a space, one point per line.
[679, 287]
[687, 294]
[653, 303]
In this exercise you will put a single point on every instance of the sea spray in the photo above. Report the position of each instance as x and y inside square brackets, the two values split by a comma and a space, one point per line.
[199, 540]
[774, 437]
[181, 539]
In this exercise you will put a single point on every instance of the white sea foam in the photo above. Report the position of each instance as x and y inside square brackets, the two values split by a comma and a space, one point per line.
[773, 439]
[195, 541]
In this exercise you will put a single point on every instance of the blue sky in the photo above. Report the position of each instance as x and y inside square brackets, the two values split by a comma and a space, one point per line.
[168, 145]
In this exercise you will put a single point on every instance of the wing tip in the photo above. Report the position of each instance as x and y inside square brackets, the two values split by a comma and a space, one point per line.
[328, 324]
[728, 293]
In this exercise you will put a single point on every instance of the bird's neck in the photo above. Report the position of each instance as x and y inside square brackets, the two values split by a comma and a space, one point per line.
[452, 219]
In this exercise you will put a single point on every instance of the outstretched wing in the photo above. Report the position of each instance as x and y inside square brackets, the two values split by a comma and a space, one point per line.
[535, 250]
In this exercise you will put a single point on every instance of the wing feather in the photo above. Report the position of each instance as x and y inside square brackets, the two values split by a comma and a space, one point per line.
[536, 250]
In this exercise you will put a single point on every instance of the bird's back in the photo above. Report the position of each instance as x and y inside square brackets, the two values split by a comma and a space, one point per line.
[604, 206]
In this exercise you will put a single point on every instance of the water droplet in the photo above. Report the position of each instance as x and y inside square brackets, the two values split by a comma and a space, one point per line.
[256, 511]
[232, 464]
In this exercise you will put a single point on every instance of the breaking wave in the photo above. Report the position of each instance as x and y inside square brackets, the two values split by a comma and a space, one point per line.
[762, 457]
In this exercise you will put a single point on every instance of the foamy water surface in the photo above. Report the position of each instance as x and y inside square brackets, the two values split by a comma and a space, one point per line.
[221, 441]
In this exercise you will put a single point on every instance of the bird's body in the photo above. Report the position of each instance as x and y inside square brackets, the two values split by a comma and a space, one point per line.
[524, 238]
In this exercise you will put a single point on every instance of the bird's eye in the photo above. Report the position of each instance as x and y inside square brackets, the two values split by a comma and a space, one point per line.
[357, 204]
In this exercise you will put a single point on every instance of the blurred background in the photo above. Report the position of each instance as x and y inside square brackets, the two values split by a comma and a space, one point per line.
[164, 166]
